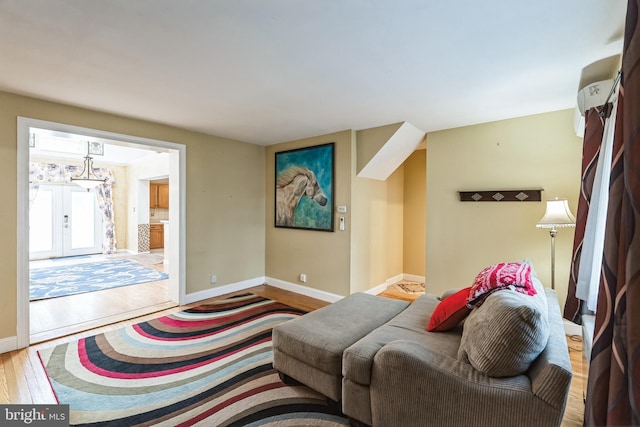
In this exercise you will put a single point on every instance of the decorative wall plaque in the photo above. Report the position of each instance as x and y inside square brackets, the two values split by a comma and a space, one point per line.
[501, 196]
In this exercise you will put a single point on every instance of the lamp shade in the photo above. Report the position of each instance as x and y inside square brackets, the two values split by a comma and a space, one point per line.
[558, 214]
[87, 183]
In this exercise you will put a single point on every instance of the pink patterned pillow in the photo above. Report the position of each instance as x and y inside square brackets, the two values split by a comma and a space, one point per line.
[506, 275]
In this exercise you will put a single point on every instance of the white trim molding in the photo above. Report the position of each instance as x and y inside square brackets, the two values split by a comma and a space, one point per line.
[304, 290]
[395, 279]
[221, 290]
[8, 344]
[177, 172]
[571, 328]
[380, 288]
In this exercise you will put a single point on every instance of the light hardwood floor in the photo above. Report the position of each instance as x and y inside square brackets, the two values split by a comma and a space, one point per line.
[56, 317]
[23, 379]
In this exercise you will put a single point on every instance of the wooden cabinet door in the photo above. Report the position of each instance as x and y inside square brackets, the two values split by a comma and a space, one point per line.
[159, 196]
[153, 195]
[156, 236]
[163, 196]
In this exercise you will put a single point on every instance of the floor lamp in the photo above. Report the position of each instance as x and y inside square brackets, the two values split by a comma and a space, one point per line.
[557, 215]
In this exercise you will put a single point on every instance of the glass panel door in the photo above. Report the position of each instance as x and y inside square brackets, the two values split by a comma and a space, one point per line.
[82, 222]
[43, 234]
[64, 220]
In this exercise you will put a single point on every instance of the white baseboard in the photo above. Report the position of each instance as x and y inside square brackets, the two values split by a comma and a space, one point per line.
[293, 287]
[383, 286]
[395, 279]
[571, 328]
[304, 290]
[8, 344]
[377, 289]
[221, 290]
[404, 276]
[413, 277]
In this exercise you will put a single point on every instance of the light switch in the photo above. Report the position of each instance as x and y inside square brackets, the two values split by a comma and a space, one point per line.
[342, 209]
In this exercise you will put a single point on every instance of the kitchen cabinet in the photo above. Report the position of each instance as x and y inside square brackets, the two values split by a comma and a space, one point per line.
[159, 196]
[156, 236]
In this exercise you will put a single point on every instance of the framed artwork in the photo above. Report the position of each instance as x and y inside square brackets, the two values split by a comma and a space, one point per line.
[304, 183]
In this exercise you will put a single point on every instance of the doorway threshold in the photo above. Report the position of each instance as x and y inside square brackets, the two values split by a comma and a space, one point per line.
[50, 334]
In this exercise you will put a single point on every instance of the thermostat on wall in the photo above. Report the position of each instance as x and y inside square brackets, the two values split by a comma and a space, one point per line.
[342, 209]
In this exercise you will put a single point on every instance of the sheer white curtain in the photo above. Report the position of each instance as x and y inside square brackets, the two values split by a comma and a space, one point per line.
[591, 258]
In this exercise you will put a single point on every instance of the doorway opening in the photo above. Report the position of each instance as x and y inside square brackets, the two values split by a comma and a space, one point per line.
[62, 230]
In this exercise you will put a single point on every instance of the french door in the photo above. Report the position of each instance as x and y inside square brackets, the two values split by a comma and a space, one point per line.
[64, 220]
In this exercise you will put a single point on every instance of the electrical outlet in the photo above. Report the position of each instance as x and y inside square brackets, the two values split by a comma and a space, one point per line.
[214, 279]
[303, 278]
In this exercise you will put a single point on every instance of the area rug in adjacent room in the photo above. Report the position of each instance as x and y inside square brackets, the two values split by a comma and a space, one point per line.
[408, 287]
[57, 281]
[210, 366]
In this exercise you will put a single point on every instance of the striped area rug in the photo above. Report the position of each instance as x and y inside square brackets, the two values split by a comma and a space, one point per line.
[209, 366]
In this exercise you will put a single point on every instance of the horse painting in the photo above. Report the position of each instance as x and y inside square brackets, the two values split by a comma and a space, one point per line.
[292, 185]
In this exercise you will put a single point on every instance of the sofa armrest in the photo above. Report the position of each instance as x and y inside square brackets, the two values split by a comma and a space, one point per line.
[415, 385]
[551, 372]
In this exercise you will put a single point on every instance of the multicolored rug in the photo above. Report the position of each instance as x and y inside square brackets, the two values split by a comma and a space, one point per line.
[58, 281]
[210, 366]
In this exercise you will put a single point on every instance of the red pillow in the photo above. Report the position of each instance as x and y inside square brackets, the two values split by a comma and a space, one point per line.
[451, 311]
[506, 275]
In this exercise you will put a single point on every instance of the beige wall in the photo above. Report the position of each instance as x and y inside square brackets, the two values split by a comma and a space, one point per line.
[363, 256]
[322, 256]
[540, 151]
[377, 217]
[120, 194]
[224, 192]
[415, 205]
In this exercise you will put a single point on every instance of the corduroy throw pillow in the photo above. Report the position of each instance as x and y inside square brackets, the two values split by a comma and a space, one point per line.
[503, 336]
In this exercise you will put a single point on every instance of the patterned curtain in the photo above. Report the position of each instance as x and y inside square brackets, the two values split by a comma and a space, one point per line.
[61, 174]
[43, 172]
[593, 245]
[105, 201]
[593, 131]
[613, 390]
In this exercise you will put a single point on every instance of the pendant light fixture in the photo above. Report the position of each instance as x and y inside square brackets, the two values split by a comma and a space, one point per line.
[87, 178]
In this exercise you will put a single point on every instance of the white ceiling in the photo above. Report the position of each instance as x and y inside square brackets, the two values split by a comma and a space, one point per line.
[271, 71]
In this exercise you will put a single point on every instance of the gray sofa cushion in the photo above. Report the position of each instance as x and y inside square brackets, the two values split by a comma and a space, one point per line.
[506, 334]
[411, 324]
[318, 338]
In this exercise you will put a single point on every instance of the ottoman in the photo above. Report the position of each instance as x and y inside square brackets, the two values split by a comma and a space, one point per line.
[309, 348]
